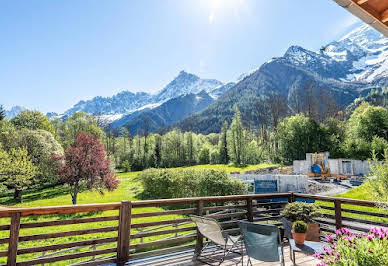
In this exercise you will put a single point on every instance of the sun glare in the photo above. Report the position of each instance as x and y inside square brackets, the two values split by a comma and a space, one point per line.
[220, 8]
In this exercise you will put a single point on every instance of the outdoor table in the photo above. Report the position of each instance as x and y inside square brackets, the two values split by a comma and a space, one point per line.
[309, 248]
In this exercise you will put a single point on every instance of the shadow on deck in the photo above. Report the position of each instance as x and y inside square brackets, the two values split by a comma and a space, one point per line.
[185, 258]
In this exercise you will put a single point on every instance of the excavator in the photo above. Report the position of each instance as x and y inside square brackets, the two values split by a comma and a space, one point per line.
[321, 168]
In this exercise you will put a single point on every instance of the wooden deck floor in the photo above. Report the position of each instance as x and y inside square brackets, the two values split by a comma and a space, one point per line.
[185, 258]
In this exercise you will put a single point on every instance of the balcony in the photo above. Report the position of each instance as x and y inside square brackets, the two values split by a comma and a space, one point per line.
[136, 233]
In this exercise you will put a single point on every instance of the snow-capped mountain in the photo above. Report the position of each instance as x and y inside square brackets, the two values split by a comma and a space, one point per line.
[186, 83]
[126, 102]
[14, 111]
[367, 51]
[121, 103]
[162, 116]
[361, 55]
[339, 72]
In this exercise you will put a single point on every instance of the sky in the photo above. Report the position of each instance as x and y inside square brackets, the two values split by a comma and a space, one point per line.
[55, 53]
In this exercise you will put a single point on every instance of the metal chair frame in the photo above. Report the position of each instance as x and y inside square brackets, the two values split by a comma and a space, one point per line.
[224, 241]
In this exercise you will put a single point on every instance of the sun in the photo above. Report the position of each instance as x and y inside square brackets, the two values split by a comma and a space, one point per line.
[220, 8]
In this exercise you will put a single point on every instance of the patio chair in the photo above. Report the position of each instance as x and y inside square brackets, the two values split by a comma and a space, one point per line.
[262, 242]
[211, 229]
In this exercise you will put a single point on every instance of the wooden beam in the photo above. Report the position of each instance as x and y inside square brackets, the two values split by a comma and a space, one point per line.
[124, 233]
[384, 16]
[360, 2]
[338, 214]
[13, 239]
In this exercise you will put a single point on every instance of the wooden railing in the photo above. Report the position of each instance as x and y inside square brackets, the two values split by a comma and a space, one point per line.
[117, 232]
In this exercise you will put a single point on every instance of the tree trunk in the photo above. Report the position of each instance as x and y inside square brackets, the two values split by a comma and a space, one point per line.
[75, 194]
[18, 195]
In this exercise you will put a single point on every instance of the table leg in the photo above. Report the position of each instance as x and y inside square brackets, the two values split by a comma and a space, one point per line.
[293, 256]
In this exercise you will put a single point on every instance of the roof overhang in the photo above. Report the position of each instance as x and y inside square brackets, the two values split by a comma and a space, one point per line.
[372, 12]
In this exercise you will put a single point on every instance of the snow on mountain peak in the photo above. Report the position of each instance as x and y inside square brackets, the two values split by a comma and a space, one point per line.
[186, 83]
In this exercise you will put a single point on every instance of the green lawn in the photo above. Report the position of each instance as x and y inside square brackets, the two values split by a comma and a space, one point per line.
[128, 189]
[362, 193]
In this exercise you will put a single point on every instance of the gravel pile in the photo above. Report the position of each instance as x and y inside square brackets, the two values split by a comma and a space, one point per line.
[264, 171]
[315, 187]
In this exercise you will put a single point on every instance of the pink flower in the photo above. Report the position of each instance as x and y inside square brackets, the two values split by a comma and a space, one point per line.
[317, 255]
[329, 238]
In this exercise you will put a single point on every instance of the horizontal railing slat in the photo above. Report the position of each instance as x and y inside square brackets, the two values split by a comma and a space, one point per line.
[68, 233]
[152, 214]
[225, 207]
[163, 222]
[67, 257]
[163, 242]
[67, 245]
[164, 232]
[67, 222]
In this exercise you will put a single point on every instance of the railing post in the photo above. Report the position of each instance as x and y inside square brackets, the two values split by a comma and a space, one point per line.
[124, 232]
[338, 214]
[199, 243]
[291, 197]
[13, 239]
[249, 209]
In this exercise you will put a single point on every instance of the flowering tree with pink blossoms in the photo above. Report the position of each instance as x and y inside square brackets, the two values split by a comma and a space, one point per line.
[85, 164]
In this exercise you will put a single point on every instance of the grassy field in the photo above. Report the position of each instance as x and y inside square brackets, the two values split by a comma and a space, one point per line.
[362, 193]
[129, 188]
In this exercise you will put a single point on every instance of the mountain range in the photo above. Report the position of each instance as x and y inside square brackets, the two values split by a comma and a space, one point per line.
[342, 71]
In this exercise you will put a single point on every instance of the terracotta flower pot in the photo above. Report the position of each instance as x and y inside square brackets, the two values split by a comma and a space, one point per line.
[299, 238]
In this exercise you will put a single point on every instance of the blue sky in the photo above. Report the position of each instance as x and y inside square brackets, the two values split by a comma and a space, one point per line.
[55, 53]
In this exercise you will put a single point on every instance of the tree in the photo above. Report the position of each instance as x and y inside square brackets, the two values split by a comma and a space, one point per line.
[272, 109]
[365, 125]
[298, 135]
[85, 163]
[33, 120]
[204, 155]
[16, 170]
[77, 123]
[223, 144]
[2, 113]
[158, 151]
[379, 182]
[41, 145]
[237, 139]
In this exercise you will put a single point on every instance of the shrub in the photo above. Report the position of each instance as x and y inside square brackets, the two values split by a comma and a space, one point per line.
[299, 227]
[301, 211]
[379, 180]
[180, 183]
[356, 249]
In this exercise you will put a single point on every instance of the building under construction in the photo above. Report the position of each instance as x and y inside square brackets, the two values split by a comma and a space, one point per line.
[319, 164]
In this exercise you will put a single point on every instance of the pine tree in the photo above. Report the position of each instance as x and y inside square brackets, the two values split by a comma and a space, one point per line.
[223, 144]
[2, 113]
[237, 137]
[158, 151]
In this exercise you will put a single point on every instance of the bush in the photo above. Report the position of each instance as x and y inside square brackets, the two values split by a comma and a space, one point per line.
[356, 249]
[299, 227]
[301, 211]
[181, 183]
[379, 180]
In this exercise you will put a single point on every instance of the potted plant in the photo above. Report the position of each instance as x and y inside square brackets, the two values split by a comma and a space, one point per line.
[306, 212]
[299, 229]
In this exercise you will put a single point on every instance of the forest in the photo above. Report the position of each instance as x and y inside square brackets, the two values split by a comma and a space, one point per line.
[38, 152]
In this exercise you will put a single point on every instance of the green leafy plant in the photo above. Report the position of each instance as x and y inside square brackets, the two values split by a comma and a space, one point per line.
[378, 182]
[299, 227]
[301, 211]
[172, 183]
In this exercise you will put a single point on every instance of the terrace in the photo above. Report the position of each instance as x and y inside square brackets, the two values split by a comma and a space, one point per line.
[129, 233]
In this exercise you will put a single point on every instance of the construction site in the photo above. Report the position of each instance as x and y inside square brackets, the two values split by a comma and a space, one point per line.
[317, 174]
